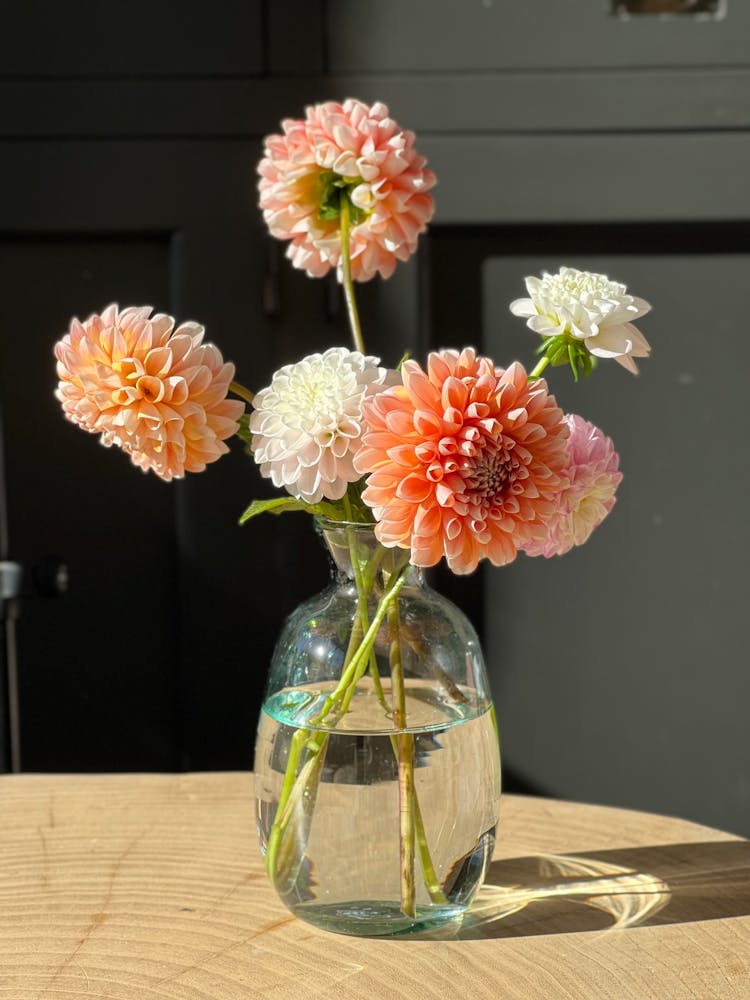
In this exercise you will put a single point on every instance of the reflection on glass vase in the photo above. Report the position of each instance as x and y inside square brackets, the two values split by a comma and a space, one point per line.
[377, 765]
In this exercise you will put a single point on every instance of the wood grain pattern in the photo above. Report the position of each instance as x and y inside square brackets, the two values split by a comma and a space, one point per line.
[150, 887]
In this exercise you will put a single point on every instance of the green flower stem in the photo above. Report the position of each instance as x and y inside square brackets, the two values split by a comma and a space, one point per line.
[377, 684]
[346, 273]
[431, 881]
[539, 368]
[295, 784]
[239, 390]
[428, 870]
[407, 834]
[286, 801]
[306, 781]
[305, 787]
[358, 664]
[422, 649]
[300, 786]
[364, 583]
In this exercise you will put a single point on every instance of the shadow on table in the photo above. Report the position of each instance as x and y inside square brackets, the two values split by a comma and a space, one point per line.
[563, 894]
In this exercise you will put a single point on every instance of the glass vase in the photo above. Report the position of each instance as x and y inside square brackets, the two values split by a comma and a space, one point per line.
[377, 764]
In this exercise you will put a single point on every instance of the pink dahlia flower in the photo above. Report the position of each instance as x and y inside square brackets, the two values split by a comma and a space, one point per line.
[307, 424]
[345, 150]
[463, 460]
[159, 395]
[592, 480]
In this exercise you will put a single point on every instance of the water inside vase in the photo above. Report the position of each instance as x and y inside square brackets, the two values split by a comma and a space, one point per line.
[339, 856]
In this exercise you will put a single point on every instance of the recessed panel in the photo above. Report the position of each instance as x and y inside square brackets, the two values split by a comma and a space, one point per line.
[92, 39]
[98, 665]
[620, 669]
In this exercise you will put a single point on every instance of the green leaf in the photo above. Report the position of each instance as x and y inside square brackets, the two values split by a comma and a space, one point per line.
[554, 348]
[244, 433]
[281, 505]
[359, 511]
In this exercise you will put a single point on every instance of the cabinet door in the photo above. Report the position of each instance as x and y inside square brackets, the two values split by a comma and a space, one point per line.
[619, 670]
[451, 36]
[150, 661]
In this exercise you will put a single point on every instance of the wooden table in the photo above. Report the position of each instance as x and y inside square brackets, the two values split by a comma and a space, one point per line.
[150, 887]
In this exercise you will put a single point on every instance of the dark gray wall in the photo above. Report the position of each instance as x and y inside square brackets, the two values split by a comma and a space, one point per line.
[558, 135]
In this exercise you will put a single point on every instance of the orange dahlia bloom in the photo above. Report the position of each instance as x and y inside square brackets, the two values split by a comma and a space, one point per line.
[352, 151]
[463, 461]
[159, 395]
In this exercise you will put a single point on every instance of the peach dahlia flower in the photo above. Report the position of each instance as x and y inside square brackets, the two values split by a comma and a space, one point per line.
[463, 460]
[345, 150]
[160, 395]
[592, 480]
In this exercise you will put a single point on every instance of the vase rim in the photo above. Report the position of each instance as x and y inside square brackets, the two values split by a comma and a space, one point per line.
[329, 524]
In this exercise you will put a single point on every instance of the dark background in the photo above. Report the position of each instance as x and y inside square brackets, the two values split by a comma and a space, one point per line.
[129, 135]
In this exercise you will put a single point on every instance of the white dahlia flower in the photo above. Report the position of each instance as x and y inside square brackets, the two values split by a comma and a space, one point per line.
[587, 307]
[308, 422]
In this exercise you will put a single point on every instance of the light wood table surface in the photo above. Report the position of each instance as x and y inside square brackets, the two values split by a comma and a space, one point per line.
[150, 887]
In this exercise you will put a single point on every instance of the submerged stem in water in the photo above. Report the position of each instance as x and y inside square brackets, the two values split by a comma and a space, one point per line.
[285, 845]
[405, 744]
[314, 742]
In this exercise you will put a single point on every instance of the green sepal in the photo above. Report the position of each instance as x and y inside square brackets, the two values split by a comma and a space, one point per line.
[329, 212]
[588, 364]
[562, 350]
[333, 189]
[551, 346]
[573, 357]
[558, 356]
[580, 358]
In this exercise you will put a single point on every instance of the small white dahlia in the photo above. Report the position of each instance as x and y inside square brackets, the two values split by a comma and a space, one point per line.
[307, 424]
[587, 307]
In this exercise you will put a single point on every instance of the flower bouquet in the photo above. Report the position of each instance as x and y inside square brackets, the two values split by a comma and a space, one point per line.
[377, 767]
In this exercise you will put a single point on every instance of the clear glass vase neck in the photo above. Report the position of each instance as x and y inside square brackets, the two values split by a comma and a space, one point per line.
[356, 553]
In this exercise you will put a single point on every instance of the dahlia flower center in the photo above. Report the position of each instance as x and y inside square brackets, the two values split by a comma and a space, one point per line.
[316, 399]
[151, 388]
[571, 287]
[136, 383]
[319, 397]
[490, 476]
[585, 284]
